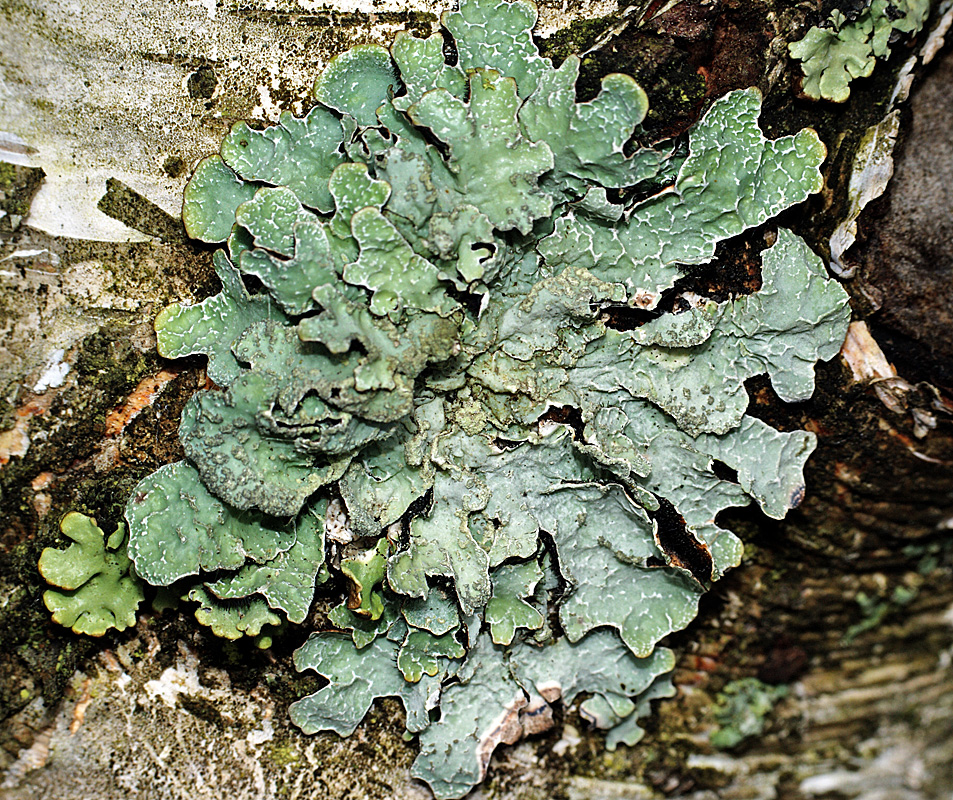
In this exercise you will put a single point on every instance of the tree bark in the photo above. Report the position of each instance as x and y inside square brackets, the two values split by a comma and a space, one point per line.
[848, 602]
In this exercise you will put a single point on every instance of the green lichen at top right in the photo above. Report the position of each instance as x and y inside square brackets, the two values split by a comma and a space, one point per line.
[834, 54]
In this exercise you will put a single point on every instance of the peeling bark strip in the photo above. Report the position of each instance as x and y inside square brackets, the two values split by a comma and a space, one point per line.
[126, 205]
[143, 396]
[507, 728]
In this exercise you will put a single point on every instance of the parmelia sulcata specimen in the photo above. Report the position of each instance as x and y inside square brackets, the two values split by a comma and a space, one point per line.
[419, 327]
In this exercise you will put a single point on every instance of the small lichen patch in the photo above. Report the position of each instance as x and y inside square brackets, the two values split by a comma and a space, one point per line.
[96, 588]
[741, 710]
[844, 49]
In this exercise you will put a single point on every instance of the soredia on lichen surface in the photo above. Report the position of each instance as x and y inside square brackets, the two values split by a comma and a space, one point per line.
[422, 283]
